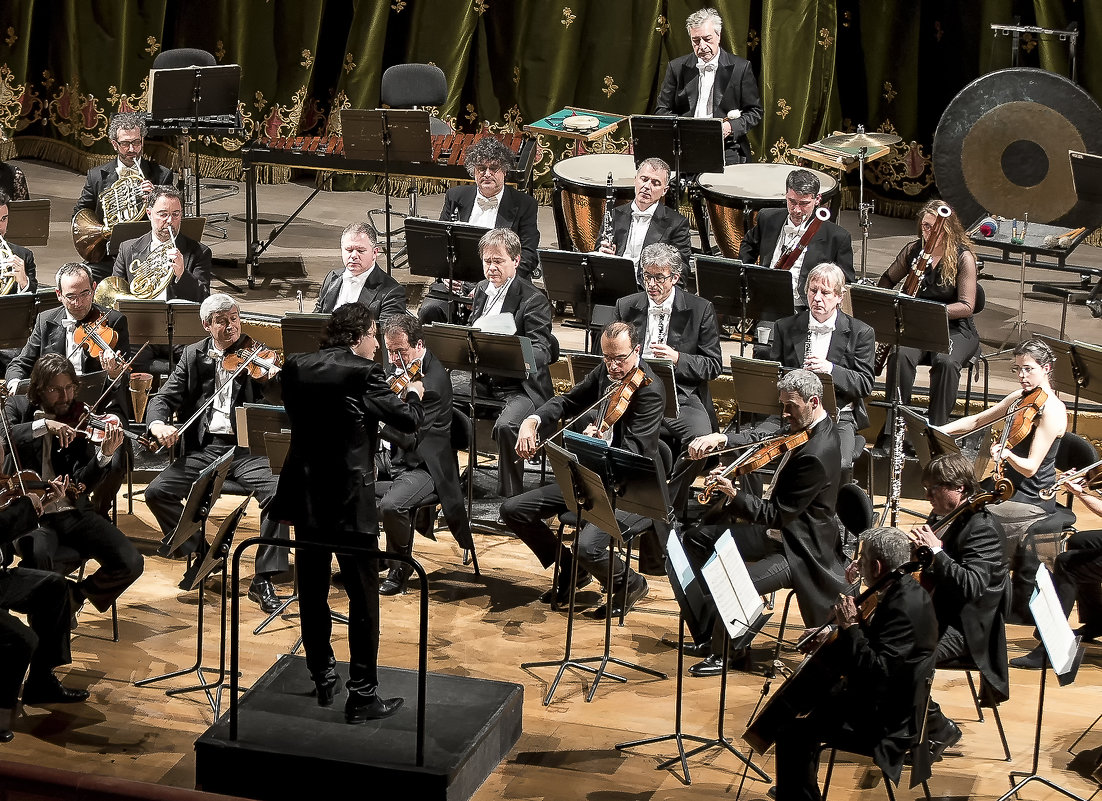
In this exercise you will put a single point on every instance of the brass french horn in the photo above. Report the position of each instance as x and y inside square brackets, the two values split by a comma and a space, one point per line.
[122, 202]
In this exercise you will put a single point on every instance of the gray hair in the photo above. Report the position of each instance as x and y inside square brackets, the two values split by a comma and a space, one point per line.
[803, 382]
[802, 182]
[72, 268]
[887, 545]
[488, 151]
[656, 164]
[362, 229]
[505, 238]
[661, 254]
[164, 191]
[698, 18]
[125, 121]
[831, 273]
[218, 302]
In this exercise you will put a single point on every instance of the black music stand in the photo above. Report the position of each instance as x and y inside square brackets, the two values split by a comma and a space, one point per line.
[755, 387]
[384, 134]
[1088, 369]
[29, 222]
[472, 351]
[445, 250]
[901, 321]
[303, 332]
[205, 490]
[744, 291]
[928, 440]
[690, 145]
[17, 313]
[585, 280]
[1067, 375]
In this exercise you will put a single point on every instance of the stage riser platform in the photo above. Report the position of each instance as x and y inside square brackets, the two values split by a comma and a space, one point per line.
[290, 748]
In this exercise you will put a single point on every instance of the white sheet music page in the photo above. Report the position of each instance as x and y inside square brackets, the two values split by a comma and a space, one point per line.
[496, 324]
[1052, 623]
[723, 593]
[749, 599]
[679, 560]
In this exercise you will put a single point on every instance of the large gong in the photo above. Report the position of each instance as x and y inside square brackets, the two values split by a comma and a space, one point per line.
[1002, 147]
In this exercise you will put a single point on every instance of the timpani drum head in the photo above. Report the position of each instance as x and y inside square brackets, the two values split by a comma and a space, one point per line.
[759, 183]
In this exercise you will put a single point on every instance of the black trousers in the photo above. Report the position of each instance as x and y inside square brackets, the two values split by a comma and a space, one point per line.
[517, 406]
[799, 745]
[361, 582]
[945, 371]
[91, 537]
[166, 493]
[692, 422]
[43, 645]
[1077, 575]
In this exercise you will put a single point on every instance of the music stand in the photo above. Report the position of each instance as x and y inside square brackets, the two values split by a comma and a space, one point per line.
[186, 324]
[900, 321]
[204, 491]
[444, 249]
[928, 440]
[585, 280]
[745, 290]
[29, 222]
[1088, 366]
[755, 390]
[303, 332]
[383, 134]
[690, 145]
[17, 313]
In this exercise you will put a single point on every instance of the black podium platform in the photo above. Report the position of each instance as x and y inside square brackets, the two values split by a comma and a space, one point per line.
[290, 748]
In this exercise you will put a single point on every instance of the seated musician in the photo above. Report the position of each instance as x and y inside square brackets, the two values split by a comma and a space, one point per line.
[56, 331]
[21, 264]
[823, 339]
[807, 554]
[422, 463]
[1077, 576]
[780, 236]
[42, 643]
[635, 430]
[1028, 460]
[191, 260]
[710, 82]
[884, 662]
[191, 387]
[949, 277]
[504, 292]
[126, 131]
[647, 220]
[361, 279]
[45, 441]
[968, 579]
[490, 204]
[681, 327]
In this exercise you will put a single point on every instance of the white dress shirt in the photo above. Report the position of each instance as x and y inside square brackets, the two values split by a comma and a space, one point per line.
[495, 298]
[658, 324]
[788, 239]
[707, 82]
[640, 224]
[223, 398]
[486, 217]
[352, 286]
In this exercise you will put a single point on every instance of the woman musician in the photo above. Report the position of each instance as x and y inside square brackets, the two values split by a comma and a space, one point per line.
[1037, 421]
[604, 394]
[946, 271]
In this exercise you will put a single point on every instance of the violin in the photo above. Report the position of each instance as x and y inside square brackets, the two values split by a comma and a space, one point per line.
[766, 451]
[620, 399]
[1021, 420]
[25, 483]
[96, 336]
[256, 357]
[400, 380]
[82, 419]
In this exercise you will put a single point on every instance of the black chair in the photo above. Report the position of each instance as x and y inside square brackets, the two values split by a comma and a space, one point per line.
[1074, 453]
[968, 667]
[979, 360]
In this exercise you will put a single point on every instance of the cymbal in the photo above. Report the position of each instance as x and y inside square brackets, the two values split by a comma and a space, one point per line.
[862, 139]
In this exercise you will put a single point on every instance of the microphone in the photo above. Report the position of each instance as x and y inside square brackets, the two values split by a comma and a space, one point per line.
[988, 226]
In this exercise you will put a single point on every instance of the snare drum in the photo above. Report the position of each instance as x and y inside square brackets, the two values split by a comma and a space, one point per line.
[734, 196]
[579, 199]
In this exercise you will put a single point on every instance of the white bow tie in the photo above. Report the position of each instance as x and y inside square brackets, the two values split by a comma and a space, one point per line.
[703, 67]
[641, 217]
[487, 203]
[820, 329]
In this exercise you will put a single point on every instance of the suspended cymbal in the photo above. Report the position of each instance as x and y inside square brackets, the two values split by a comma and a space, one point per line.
[862, 139]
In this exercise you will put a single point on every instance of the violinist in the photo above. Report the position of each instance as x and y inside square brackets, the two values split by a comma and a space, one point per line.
[884, 660]
[949, 277]
[638, 418]
[201, 380]
[415, 465]
[968, 578]
[807, 553]
[53, 449]
[1027, 458]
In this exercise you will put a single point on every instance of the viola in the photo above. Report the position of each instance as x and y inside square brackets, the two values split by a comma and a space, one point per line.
[96, 336]
[620, 399]
[400, 380]
[257, 358]
[766, 451]
[1021, 420]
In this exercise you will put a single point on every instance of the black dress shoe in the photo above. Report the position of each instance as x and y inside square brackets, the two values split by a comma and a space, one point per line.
[395, 581]
[711, 666]
[560, 595]
[327, 687]
[1088, 633]
[6, 735]
[1034, 660]
[49, 690]
[637, 590]
[947, 738]
[262, 592]
[359, 708]
[690, 648]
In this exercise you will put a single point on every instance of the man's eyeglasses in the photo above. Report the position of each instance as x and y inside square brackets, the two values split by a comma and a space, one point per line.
[67, 389]
[617, 361]
[76, 297]
[653, 278]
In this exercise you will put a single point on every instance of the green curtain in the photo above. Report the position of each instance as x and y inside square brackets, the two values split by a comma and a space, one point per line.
[823, 65]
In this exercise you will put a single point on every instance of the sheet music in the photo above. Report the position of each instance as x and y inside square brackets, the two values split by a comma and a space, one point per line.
[1053, 624]
[738, 602]
[679, 560]
[723, 593]
[500, 323]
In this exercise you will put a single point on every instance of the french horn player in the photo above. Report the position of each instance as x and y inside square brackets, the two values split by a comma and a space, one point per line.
[115, 192]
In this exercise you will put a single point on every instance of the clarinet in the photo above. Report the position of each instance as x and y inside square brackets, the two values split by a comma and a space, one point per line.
[606, 225]
[807, 348]
[898, 459]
